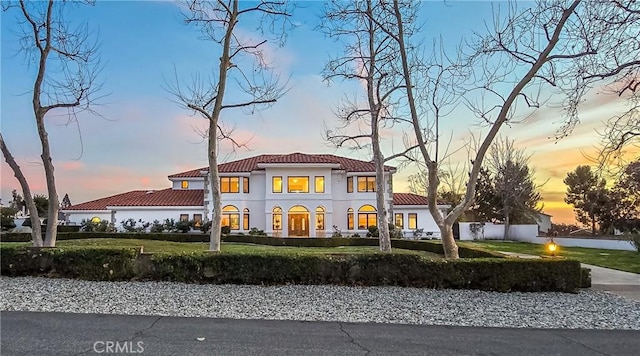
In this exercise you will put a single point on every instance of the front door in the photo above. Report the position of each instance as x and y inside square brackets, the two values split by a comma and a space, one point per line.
[299, 225]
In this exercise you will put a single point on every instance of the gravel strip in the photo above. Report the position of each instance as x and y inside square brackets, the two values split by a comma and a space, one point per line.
[585, 310]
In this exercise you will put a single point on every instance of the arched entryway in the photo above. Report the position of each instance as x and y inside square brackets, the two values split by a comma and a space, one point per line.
[298, 221]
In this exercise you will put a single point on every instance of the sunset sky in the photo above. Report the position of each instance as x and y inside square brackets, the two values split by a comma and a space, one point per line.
[142, 135]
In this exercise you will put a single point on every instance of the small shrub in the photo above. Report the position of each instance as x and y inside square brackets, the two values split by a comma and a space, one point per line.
[206, 227]
[355, 235]
[130, 225]
[102, 226]
[7, 215]
[183, 226]
[394, 232]
[336, 232]
[373, 231]
[169, 225]
[418, 232]
[156, 227]
[225, 230]
[254, 231]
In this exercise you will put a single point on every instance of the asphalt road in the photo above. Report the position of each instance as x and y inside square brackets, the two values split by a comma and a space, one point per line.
[31, 333]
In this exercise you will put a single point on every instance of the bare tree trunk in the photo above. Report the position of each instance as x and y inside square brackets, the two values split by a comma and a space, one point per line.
[381, 207]
[214, 243]
[54, 205]
[450, 249]
[507, 225]
[36, 231]
[214, 181]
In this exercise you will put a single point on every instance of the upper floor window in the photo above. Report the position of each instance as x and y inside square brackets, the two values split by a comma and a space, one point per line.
[229, 184]
[245, 185]
[184, 184]
[319, 184]
[349, 184]
[276, 184]
[298, 184]
[366, 184]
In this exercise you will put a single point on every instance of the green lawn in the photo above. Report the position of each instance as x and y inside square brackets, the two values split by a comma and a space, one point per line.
[621, 260]
[229, 247]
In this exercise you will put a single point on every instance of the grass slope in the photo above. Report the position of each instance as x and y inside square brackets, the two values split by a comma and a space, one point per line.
[228, 247]
[628, 261]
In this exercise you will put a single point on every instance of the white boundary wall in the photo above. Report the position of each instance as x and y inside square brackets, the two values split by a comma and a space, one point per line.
[529, 233]
[490, 231]
[589, 243]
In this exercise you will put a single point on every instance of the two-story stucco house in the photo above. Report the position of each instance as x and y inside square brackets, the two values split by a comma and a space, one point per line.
[285, 195]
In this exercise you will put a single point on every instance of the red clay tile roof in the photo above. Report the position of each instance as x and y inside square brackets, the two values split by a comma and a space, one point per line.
[409, 199]
[251, 163]
[165, 197]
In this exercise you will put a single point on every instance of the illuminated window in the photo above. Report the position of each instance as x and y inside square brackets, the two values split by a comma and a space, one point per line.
[367, 216]
[349, 184]
[276, 184]
[277, 218]
[184, 217]
[413, 220]
[245, 185]
[298, 184]
[319, 218]
[231, 217]
[245, 219]
[96, 220]
[185, 184]
[197, 218]
[366, 184]
[399, 220]
[230, 184]
[350, 219]
[319, 184]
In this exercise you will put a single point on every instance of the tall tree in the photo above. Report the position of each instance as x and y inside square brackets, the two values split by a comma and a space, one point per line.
[67, 67]
[625, 199]
[219, 22]
[542, 45]
[515, 194]
[367, 55]
[588, 195]
[620, 69]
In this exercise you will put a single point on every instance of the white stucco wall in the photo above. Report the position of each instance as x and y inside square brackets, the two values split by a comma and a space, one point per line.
[425, 220]
[146, 214]
[492, 231]
[75, 217]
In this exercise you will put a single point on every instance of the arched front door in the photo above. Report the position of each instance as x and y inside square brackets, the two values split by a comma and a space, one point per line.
[298, 220]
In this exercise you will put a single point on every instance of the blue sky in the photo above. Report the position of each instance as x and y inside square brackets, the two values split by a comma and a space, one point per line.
[143, 135]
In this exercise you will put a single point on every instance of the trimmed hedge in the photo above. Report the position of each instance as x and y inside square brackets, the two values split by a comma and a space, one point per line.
[100, 264]
[368, 270]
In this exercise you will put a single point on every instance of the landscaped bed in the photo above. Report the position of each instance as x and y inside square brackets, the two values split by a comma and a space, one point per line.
[413, 263]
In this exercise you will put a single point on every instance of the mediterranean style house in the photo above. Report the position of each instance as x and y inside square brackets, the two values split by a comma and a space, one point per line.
[287, 195]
